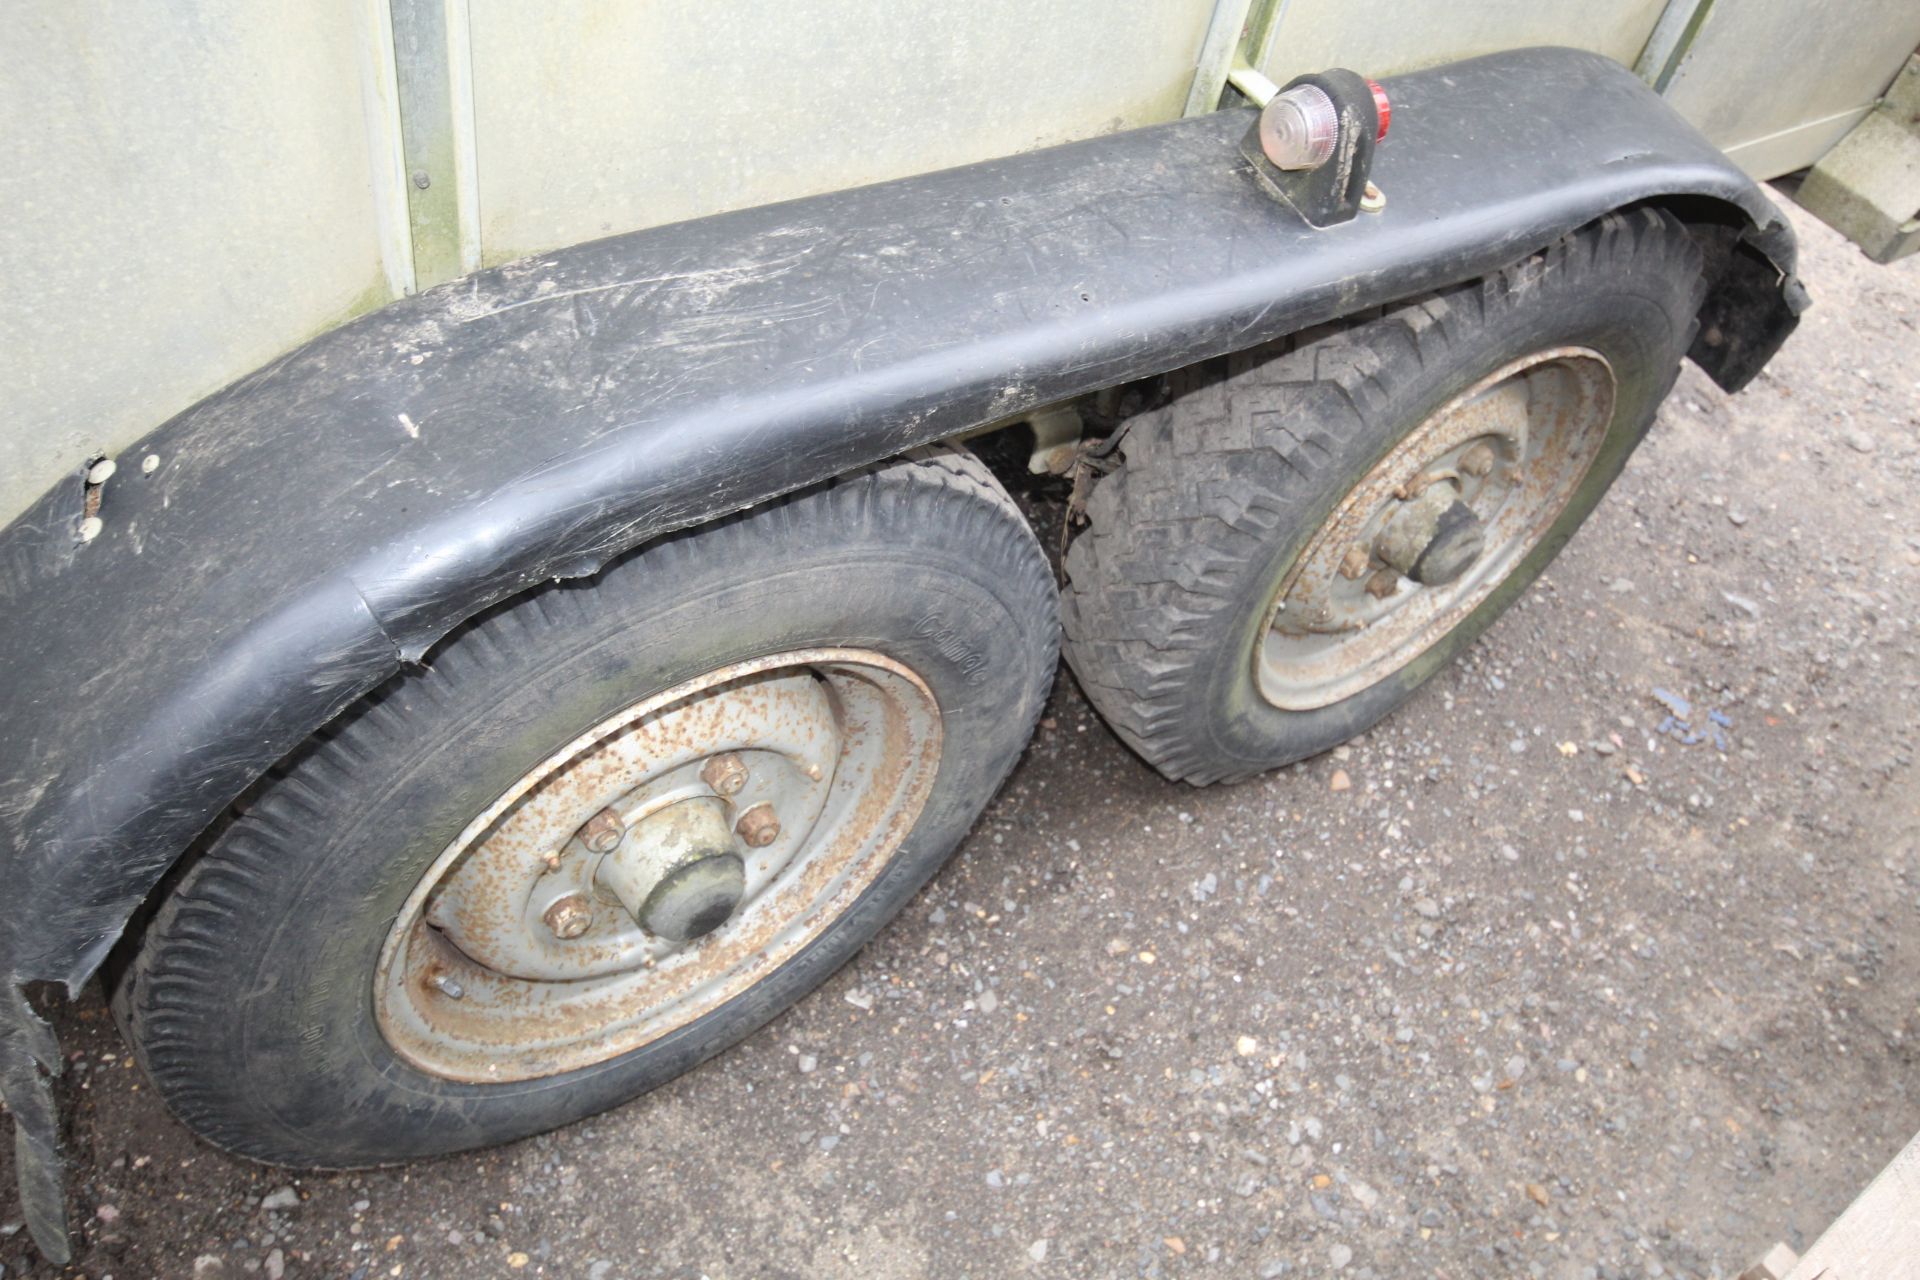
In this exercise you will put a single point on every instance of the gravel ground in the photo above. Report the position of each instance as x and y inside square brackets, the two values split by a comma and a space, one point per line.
[1515, 985]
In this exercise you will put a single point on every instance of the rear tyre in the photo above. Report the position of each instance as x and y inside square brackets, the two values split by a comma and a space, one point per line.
[1307, 532]
[608, 829]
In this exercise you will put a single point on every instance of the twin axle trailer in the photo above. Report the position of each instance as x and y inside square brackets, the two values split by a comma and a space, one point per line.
[482, 712]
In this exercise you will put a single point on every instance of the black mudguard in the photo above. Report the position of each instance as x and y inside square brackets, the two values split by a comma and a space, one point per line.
[273, 553]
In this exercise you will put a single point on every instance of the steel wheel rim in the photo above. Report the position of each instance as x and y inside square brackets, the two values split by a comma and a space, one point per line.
[1542, 418]
[481, 979]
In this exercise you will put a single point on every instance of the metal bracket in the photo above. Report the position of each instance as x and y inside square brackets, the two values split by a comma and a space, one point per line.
[1236, 41]
[432, 63]
[1672, 40]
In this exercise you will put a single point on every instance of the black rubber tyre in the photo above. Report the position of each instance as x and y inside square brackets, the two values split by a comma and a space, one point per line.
[250, 999]
[1222, 488]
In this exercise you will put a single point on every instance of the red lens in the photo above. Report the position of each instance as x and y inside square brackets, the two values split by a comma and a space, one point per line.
[1382, 106]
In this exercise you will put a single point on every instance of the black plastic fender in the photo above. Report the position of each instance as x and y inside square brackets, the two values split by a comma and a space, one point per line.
[276, 551]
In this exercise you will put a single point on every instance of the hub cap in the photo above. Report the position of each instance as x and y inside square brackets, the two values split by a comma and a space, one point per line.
[657, 866]
[676, 871]
[1427, 535]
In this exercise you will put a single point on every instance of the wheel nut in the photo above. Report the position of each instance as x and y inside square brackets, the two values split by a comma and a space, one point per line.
[448, 987]
[758, 827]
[1355, 564]
[1477, 461]
[1383, 584]
[725, 774]
[569, 917]
[602, 831]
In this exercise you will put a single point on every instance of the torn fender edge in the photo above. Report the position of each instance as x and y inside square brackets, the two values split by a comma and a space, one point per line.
[332, 632]
[29, 1063]
[278, 550]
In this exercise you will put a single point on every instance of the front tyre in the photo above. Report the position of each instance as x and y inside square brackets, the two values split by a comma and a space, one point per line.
[608, 830]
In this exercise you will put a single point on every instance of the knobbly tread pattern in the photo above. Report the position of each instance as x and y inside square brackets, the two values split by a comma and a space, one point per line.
[1242, 445]
[171, 999]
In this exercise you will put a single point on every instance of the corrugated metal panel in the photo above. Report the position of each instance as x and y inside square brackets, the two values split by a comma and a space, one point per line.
[594, 117]
[189, 192]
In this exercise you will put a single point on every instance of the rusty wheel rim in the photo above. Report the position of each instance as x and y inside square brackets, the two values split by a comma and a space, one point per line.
[525, 950]
[1510, 453]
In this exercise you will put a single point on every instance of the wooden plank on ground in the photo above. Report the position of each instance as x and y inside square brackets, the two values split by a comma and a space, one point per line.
[1878, 1237]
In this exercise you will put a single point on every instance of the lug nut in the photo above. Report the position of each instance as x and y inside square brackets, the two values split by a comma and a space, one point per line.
[602, 831]
[1477, 461]
[1354, 565]
[1383, 584]
[725, 774]
[447, 987]
[758, 827]
[569, 917]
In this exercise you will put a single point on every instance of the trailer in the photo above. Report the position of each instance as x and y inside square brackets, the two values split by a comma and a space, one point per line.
[498, 603]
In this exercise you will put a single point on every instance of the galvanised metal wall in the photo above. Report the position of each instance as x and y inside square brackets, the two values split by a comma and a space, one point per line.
[193, 188]
[1381, 37]
[594, 116]
[186, 191]
[1773, 82]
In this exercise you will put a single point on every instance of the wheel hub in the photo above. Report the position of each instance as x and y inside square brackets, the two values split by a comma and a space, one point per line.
[1438, 523]
[677, 871]
[1434, 538]
[658, 865]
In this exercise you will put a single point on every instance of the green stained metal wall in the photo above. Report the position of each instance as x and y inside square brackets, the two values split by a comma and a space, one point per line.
[595, 116]
[1776, 84]
[193, 188]
[1382, 37]
[189, 190]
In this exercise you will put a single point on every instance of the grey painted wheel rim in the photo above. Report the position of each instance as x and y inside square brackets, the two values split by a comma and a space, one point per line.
[514, 957]
[1536, 425]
